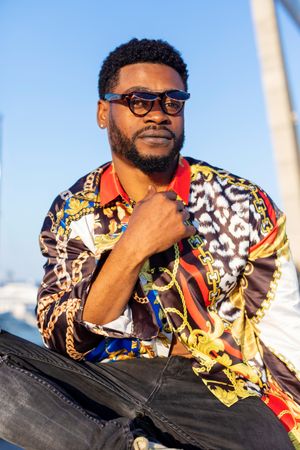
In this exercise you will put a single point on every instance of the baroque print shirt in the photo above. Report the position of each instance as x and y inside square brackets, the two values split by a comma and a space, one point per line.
[229, 293]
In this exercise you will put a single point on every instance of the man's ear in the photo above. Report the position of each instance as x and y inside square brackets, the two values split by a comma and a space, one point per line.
[102, 113]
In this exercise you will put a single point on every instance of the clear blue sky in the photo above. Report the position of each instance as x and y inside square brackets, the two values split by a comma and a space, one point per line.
[50, 55]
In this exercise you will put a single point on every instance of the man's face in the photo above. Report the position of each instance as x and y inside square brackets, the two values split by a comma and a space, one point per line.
[152, 142]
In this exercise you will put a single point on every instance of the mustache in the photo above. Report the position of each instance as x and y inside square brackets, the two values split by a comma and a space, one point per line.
[152, 127]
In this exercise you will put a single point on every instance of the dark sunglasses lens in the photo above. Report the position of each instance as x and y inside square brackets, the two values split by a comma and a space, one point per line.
[171, 106]
[141, 103]
[174, 101]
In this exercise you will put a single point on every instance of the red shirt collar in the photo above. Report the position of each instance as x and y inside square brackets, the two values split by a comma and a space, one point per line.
[110, 186]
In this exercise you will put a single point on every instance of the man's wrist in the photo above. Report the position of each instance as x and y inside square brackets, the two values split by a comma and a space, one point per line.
[131, 249]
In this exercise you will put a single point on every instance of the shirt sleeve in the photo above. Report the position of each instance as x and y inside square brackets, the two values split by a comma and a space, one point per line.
[271, 286]
[70, 270]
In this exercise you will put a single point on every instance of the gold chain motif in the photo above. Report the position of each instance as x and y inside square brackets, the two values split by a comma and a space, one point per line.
[173, 282]
[60, 269]
[141, 300]
[77, 267]
[259, 205]
[207, 260]
[265, 305]
[43, 245]
[43, 307]
[90, 181]
[288, 363]
[173, 275]
[54, 318]
[71, 310]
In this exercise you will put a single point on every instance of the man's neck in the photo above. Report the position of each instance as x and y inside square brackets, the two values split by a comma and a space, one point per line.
[135, 182]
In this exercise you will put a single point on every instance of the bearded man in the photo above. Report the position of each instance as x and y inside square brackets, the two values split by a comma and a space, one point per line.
[170, 302]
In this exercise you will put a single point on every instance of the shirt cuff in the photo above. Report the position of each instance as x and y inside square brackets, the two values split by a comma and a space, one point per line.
[123, 324]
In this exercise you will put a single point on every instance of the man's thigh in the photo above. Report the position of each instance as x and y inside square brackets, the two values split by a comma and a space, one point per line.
[165, 391]
[176, 401]
[184, 400]
[110, 392]
[37, 412]
[92, 386]
[122, 386]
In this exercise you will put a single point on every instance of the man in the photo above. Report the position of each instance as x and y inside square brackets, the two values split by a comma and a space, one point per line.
[169, 281]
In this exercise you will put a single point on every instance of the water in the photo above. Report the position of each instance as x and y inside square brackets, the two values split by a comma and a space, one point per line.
[17, 303]
[7, 446]
[15, 326]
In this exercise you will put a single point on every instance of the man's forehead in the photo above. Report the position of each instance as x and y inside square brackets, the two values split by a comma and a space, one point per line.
[148, 76]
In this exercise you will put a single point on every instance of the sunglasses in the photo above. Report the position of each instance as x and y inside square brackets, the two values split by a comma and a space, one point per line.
[141, 103]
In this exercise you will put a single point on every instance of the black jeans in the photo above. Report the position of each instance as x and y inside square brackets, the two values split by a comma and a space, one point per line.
[49, 401]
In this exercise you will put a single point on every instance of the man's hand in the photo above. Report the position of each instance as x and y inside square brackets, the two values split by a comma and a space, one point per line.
[157, 222]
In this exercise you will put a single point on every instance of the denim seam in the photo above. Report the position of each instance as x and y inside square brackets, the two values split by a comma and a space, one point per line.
[47, 385]
[161, 417]
[176, 428]
[81, 372]
[33, 356]
[158, 384]
[65, 366]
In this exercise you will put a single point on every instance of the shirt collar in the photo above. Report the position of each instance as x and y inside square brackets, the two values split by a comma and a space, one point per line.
[110, 186]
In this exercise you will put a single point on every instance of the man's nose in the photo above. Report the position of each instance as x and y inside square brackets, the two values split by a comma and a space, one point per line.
[157, 114]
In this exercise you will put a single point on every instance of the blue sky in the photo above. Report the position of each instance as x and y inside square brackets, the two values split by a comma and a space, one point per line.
[50, 55]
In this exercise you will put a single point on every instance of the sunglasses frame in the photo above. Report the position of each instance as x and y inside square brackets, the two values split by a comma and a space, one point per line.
[111, 97]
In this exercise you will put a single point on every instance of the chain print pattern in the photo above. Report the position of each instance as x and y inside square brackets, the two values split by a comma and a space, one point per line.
[173, 275]
[43, 307]
[73, 307]
[77, 267]
[92, 179]
[173, 282]
[221, 263]
[63, 278]
[207, 260]
[270, 294]
[141, 300]
[60, 309]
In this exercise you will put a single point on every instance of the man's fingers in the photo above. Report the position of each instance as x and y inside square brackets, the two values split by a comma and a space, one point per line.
[171, 195]
[190, 230]
[185, 215]
[180, 205]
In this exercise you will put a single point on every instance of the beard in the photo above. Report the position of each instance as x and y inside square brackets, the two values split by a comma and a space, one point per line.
[125, 147]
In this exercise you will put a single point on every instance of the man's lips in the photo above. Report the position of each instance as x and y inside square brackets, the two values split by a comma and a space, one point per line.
[156, 138]
[156, 134]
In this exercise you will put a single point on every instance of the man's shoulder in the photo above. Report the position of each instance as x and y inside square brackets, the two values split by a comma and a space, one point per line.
[213, 188]
[80, 198]
[85, 188]
[202, 171]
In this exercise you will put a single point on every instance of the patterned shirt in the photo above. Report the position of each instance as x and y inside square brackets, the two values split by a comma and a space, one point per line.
[229, 293]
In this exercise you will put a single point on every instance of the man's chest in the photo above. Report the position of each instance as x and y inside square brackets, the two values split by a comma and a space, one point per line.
[211, 261]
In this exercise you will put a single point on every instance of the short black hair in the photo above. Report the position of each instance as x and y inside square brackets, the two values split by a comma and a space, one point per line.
[139, 51]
